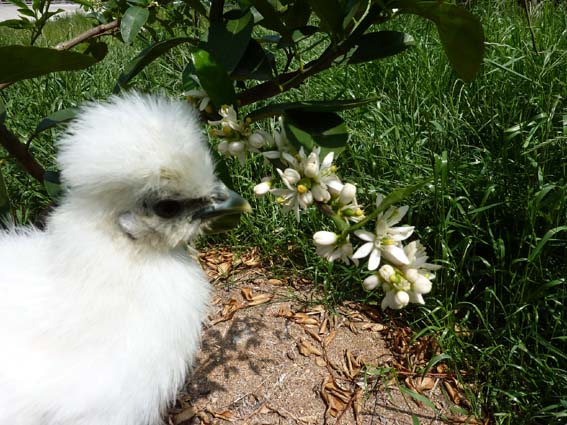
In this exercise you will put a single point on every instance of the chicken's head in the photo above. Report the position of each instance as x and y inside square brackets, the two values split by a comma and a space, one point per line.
[142, 165]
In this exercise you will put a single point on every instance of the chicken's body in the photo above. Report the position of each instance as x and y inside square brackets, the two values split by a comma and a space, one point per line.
[101, 313]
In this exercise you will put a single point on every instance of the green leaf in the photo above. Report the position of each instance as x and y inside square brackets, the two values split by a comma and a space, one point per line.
[187, 82]
[255, 64]
[198, 6]
[329, 12]
[2, 112]
[52, 184]
[312, 128]
[418, 397]
[297, 15]
[214, 79]
[379, 45]
[146, 57]
[548, 235]
[5, 209]
[460, 33]
[54, 119]
[132, 22]
[22, 62]
[228, 42]
[17, 24]
[399, 195]
[19, 3]
[96, 49]
[272, 19]
[308, 105]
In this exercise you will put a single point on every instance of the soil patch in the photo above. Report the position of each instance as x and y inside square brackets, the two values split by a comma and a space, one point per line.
[271, 356]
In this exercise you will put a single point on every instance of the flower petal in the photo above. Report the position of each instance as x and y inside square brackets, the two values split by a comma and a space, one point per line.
[365, 235]
[364, 250]
[395, 255]
[374, 259]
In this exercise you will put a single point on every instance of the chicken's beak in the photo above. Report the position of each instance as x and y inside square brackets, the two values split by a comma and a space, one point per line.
[224, 215]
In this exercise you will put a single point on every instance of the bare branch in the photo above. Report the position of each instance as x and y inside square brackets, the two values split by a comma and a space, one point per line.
[93, 32]
[20, 152]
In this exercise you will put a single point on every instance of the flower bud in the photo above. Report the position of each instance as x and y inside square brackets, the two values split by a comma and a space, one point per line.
[325, 238]
[386, 272]
[311, 168]
[257, 140]
[420, 283]
[234, 148]
[262, 188]
[370, 282]
[320, 194]
[223, 147]
[401, 299]
[291, 175]
[348, 192]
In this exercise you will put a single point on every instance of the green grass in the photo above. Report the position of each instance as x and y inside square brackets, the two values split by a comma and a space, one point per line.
[495, 151]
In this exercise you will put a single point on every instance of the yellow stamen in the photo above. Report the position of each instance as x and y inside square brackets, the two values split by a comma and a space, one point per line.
[227, 130]
[387, 241]
[395, 278]
[280, 200]
[358, 212]
[302, 188]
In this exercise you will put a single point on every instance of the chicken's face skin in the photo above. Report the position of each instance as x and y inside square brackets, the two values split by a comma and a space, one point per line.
[100, 314]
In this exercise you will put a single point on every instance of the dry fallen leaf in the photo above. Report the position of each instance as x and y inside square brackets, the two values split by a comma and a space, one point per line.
[255, 299]
[184, 415]
[452, 391]
[307, 349]
[335, 397]
[227, 415]
[224, 268]
[275, 282]
[228, 311]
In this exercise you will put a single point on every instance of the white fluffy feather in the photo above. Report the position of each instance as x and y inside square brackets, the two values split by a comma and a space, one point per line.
[100, 314]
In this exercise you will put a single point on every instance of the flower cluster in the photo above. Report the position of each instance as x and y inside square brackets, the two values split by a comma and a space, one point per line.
[237, 139]
[305, 179]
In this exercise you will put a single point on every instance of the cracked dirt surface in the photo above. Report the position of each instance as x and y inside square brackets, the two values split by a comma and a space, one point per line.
[270, 356]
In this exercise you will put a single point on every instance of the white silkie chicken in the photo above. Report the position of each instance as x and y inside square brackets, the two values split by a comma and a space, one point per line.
[100, 313]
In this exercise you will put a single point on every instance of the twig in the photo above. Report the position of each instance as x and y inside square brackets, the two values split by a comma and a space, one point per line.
[19, 151]
[294, 79]
[93, 32]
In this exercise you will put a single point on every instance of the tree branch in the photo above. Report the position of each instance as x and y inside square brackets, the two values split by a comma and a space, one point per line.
[20, 152]
[93, 32]
[294, 79]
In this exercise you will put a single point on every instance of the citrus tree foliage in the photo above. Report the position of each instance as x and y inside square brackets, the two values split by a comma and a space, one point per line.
[246, 51]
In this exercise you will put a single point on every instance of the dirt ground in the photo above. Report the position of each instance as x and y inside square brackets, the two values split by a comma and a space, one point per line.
[270, 356]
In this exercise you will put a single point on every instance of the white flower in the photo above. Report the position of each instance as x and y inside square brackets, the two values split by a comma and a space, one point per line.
[370, 282]
[264, 187]
[329, 247]
[418, 271]
[260, 139]
[395, 288]
[281, 141]
[199, 97]
[386, 239]
[395, 300]
[296, 195]
[229, 126]
[324, 238]
[349, 208]
[347, 194]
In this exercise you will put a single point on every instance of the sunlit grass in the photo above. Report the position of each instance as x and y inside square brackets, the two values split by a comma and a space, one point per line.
[494, 150]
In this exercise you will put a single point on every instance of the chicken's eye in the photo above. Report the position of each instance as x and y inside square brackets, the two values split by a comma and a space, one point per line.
[168, 208]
